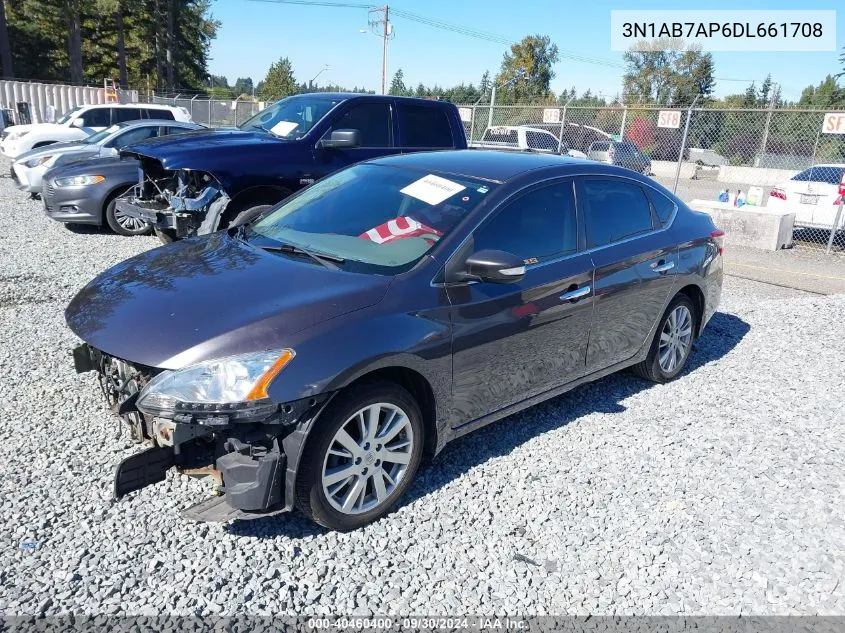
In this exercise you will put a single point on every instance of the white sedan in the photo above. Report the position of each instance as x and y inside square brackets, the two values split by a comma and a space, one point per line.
[813, 195]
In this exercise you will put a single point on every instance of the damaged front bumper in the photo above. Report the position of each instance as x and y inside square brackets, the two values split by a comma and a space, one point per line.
[253, 460]
[180, 203]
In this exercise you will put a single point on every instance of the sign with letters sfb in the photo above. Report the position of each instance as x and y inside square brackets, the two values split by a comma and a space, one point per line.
[669, 118]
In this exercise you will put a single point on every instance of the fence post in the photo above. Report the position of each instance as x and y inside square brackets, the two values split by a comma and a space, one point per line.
[209, 110]
[192, 106]
[624, 119]
[492, 103]
[835, 226]
[236, 109]
[563, 123]
[683, 145]
[472, 124]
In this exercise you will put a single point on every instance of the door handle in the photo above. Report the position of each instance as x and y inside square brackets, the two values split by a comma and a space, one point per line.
[576, 293]
[662, 268]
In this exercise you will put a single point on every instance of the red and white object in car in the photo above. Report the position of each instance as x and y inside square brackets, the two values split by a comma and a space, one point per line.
[813, 195]
[399, 228]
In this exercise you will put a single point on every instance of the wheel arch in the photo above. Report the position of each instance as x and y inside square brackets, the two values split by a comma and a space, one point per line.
[696, 295]
[113, 193]
[420, 389]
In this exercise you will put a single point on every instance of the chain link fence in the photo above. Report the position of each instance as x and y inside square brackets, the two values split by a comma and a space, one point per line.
[213, 112]
[781, 159]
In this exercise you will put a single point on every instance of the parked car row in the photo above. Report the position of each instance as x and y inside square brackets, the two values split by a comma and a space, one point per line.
[370, 300]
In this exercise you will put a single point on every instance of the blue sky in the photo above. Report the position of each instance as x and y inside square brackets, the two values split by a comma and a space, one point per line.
[256, 33]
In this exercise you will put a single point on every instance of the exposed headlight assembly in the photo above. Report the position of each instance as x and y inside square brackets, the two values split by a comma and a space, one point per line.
[35, 162]
[79, 181]
[235, 386]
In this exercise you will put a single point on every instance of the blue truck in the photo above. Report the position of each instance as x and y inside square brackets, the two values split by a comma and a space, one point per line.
[200, 182]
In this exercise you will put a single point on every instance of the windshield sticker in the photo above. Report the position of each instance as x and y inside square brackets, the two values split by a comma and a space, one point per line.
[401, 227]
[432, 189]
[283, 128]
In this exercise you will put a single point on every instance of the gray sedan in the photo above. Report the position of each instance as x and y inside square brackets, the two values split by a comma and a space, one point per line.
[29, 168]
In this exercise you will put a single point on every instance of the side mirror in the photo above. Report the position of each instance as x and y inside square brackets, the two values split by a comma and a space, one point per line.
[78, 122]
[343, 138]
[497, 267]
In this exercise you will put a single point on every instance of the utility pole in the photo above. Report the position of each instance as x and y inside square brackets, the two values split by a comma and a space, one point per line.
[387, 31]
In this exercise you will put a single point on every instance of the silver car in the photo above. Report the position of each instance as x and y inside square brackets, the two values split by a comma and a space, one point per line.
[28, 169]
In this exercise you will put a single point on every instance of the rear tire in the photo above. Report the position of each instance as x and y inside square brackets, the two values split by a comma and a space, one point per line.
[124, 225]
[672, 344]
[345, 488]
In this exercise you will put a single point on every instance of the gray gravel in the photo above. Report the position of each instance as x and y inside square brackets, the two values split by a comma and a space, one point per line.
[719, 493]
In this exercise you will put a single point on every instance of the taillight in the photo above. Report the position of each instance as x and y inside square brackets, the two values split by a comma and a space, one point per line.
[719, 237]
[780, 194]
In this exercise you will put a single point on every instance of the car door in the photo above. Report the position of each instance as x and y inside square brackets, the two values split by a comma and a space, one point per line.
[513, 341]
[423, 127]
[375, 120]
[635, 265]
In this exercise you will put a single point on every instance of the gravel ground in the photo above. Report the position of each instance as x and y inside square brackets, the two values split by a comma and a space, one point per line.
[721, 493]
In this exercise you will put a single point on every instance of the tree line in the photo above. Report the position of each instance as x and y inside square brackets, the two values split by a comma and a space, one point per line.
[160, 44]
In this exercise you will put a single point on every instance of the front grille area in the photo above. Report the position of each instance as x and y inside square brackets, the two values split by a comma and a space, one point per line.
[47, 193]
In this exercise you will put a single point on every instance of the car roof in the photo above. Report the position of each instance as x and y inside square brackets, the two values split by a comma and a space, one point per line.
[492, 165]
[160, 106]
[363, 96]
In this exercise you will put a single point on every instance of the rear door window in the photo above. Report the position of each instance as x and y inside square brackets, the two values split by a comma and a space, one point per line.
[425, 126]
[614, 210]
[156, 113]
[540, 140]
[664, 208]
[126, 114]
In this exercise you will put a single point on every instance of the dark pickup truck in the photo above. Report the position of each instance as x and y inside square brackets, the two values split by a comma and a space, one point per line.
[197, 183]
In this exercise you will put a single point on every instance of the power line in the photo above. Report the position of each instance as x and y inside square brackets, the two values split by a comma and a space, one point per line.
[468, 32]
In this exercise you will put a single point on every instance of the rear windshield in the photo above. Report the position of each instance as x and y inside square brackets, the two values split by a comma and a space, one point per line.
[377, 218]
[823, 173]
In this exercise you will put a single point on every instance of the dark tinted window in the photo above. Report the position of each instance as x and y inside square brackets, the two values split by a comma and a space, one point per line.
[663, 206]
[540, 140]
[426, 126]
[372, 120]
[615, 210]
[829, 175]
[626, 149]
[154, 113]
[126, 114]
[539, 225]
[133, 136]
[97, 117]
[600, 147]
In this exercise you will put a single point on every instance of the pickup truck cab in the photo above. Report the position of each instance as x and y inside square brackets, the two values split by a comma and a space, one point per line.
[200, 182]
[525, 138]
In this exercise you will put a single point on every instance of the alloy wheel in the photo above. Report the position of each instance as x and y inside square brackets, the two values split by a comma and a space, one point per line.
[675, 339]
[128, 223]
[367, 458]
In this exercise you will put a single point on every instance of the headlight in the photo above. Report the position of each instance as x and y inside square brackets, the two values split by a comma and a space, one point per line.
[235, 386]
[13, 136]
[79, 181]
[35, 162]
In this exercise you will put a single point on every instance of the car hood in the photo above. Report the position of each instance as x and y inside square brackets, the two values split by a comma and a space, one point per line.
[211, 297]
[125, 169]
[179, 151]
[57, 148]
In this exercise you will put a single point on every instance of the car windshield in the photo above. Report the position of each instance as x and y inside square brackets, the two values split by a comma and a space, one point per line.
[97, 137]
[375, 218]
[67, 116]
[292, 117]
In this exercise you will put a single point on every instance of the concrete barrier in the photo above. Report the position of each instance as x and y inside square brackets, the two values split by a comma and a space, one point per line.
[757, 227]
[666, 169]
[755, 175]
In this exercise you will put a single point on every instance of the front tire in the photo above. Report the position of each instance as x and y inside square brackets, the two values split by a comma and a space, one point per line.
[123, 224]
[361, 456]
[672, 344]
